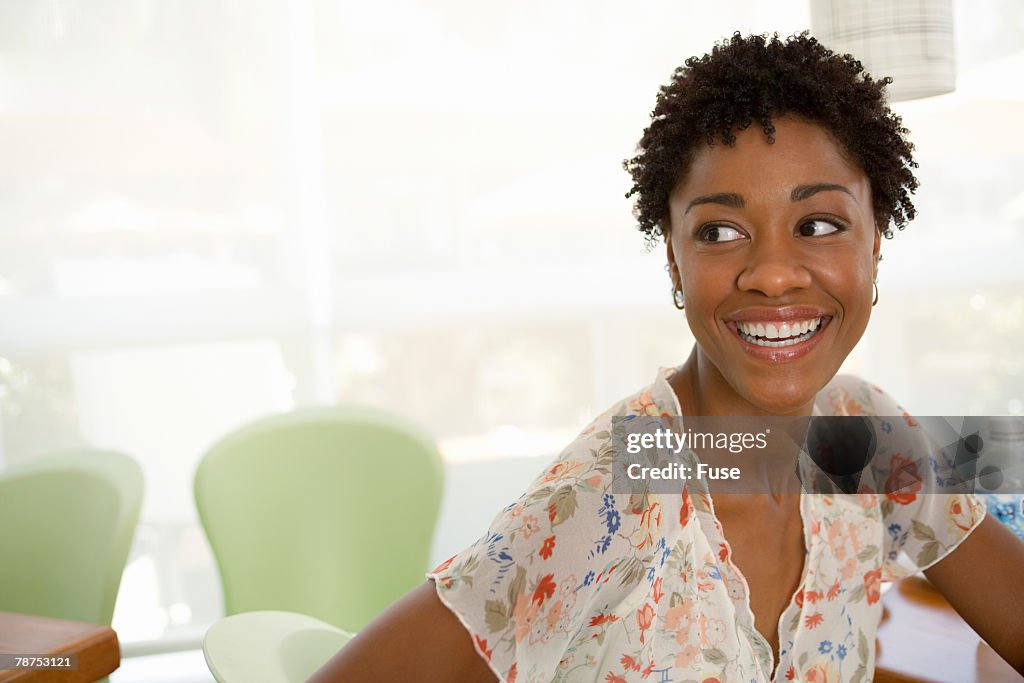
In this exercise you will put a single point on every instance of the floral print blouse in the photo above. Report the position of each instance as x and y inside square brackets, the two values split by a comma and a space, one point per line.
[575, 583]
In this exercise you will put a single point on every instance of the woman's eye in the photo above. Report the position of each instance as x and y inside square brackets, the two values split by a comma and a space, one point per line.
[720, 233]
[817, 228]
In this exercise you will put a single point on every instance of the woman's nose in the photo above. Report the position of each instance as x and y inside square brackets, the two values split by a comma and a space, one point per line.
[773, 268]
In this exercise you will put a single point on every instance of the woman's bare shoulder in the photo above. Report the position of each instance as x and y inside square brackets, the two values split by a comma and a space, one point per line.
[416, 639]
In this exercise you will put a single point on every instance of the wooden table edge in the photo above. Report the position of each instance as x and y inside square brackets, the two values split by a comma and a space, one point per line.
[94, 647]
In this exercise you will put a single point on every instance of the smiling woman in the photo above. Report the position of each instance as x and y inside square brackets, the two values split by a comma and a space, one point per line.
[772, 236]
[779, 234]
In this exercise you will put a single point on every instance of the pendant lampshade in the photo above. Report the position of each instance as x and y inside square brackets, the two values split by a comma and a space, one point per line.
[909, 40]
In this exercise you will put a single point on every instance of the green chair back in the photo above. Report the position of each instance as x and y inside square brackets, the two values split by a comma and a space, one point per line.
[270, 647]
[66, 526]
[328, 512]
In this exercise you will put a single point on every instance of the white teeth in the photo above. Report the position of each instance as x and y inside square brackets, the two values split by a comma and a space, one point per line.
[769, 334]
[776, 344]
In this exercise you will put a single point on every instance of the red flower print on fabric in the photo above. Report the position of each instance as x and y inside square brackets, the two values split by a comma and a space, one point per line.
[482, 644]
[548, 547]
[904, 481]
[873, 585]
[545, 589]
[602, 618]
[644, 618]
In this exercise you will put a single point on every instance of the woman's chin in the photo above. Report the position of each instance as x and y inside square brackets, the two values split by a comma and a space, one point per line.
[781, 399]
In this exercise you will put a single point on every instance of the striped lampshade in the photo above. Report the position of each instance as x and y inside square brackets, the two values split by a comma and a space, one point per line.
[909, 40]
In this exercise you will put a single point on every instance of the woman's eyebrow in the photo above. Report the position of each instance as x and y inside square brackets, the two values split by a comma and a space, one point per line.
[735, 201]
[801, 192]
[730, 199]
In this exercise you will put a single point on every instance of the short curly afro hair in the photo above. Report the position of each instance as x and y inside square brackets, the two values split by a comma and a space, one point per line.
[757, 78]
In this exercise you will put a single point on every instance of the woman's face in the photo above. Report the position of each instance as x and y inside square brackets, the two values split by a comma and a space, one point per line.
[775, 248]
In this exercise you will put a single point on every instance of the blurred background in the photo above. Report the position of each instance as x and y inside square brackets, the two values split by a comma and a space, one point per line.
[213, 210]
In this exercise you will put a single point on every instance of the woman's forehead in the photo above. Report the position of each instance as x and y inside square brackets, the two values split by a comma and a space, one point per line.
[802, 153]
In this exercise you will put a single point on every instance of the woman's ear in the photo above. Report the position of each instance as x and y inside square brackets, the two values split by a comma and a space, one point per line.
[876, 254]
[670, 265]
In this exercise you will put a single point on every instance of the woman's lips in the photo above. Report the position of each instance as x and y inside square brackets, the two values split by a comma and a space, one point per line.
[778, 350]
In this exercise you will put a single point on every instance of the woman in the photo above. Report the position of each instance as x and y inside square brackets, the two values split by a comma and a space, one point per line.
[771, 169]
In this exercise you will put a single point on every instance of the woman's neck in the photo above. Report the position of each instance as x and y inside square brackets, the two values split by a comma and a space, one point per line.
[704, 393]
[702, 390]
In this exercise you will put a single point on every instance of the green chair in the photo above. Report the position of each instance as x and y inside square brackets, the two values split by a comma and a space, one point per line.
[328, 512]
[270, 647]
[66, 526]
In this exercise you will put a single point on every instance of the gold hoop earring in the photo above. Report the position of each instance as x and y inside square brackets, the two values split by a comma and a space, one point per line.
[678, 298]
[874, 285]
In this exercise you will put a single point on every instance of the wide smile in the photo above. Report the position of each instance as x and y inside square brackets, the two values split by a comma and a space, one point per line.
[779, 340]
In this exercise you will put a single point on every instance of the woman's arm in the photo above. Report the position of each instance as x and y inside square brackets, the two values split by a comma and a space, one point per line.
[982, 580]
[415, 639]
